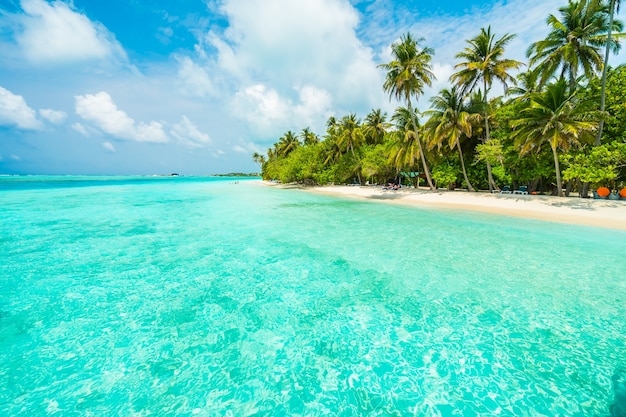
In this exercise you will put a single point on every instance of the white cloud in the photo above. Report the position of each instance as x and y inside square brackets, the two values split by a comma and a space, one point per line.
[193, 79]
[53, 32]
[108, 146]
[14, 111]
[53, 116]
[313, 104]
[80, 129]
[246, 147]
[101, 111]
[261, 106]
[283, 54]
[15, 157]
[189, 134]
[270, 113]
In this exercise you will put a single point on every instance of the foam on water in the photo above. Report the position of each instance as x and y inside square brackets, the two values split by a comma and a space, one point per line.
[196, 296]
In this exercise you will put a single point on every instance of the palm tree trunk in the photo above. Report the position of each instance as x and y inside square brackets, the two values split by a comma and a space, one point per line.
[358, 172]
[604, 71]
[419, 144]
[492, 183]
[559, 183]
[469, 185]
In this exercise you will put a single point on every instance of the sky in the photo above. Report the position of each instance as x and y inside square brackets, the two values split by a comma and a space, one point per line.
[195, 87]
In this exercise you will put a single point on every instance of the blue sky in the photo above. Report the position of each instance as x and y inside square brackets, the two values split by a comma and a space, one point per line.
[197, 86]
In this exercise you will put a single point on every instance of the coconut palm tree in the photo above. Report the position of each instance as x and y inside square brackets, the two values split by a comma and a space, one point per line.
[259, 159]
[613, 8]
[556, 117]
[573, 42]
[527, 83]
[308, 137]
[332, 152]
[287, 143]
[449, 121]
[350, 137]
[403, 148]
[407, 75]
[375, 126]
[483, 63]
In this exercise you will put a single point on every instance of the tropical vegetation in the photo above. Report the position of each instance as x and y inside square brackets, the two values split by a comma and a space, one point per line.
[558, 127]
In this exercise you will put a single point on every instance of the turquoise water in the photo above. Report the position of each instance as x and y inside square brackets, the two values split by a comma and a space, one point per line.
[223, 297]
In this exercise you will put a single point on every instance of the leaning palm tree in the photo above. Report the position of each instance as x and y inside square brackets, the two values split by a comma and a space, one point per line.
[556, 117]
[259, 159]
[449, 121]
[573, 42]
[407, 75]
[613, 8]
[483, 63]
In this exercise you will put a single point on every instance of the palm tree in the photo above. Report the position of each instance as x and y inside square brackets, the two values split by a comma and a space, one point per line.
[375, 127]
[287, 144]
[483, 63]
[351, 136]
[527, 83]
[332, 151]
[404, 147]
[259, 159]
[573, 42]
[450, 121]
[556, 117]
[407, 74]
[308, 137]
[613, 8]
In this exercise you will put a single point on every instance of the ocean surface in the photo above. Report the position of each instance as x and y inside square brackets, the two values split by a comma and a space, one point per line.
[176, 296]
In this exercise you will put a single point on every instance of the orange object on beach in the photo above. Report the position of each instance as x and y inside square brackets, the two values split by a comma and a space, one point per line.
[603, 192]
[622, 192]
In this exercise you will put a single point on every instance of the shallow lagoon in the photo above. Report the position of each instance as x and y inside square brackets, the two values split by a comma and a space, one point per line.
[218, 296]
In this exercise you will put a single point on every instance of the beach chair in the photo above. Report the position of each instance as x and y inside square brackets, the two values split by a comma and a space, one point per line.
[506, 190]
[522, 189]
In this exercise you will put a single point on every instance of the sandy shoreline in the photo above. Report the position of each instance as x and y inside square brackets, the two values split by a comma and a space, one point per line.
[610, 214]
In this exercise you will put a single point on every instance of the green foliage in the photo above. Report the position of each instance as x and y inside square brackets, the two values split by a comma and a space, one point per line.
[548, 123]
[491, 151]
[500, 175]
[375, 163]
[598, 166]
[445, 175]
[615, 112]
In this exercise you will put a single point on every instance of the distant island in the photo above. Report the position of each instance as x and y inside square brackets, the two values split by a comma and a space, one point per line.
[237, 174]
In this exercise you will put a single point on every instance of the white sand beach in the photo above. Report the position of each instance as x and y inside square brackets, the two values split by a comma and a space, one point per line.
[609, 214]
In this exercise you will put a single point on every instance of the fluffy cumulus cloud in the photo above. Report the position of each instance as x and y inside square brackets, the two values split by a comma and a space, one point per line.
[100, 110]
[268, 111]
[303, 54]
[53, 116]
[189, 134]
[261, 106]
[14, 111]
[53, 32]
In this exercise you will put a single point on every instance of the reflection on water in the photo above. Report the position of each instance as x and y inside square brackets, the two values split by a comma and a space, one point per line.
[197, 298]
[618, 409]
